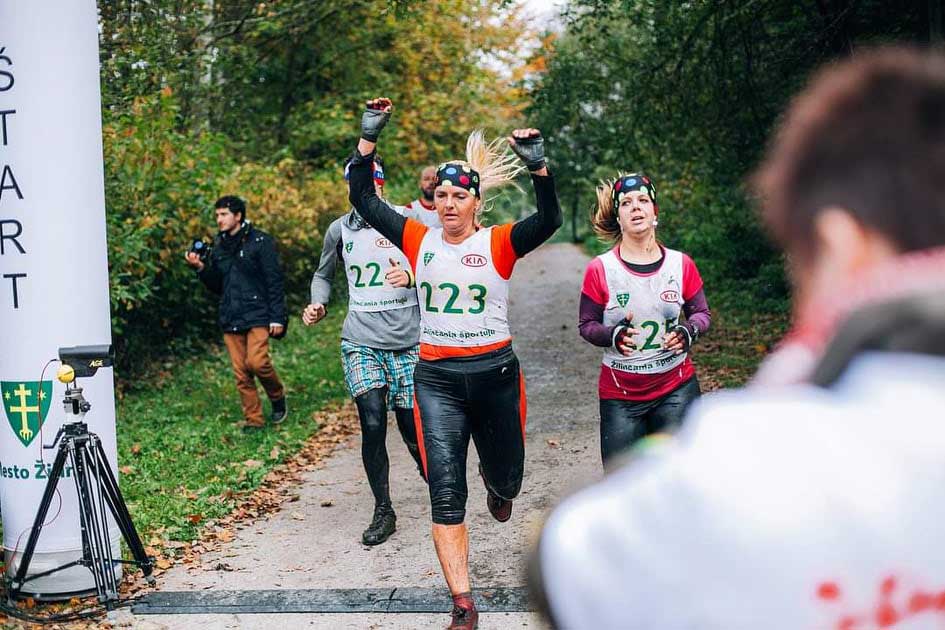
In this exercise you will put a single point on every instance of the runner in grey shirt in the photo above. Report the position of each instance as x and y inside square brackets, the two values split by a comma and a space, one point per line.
[378, 344]
[392, 329]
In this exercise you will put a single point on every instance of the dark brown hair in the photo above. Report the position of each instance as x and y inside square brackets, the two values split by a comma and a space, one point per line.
[868, 136]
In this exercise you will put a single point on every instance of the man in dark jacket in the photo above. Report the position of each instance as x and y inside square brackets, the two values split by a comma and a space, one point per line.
[243, 268]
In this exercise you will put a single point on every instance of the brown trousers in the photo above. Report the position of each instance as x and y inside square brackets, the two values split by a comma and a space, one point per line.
[249, 354]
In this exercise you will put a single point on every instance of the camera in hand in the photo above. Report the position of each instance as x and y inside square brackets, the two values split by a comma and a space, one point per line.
[200, 247]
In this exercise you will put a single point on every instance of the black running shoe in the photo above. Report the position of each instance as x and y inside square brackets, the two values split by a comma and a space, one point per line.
[499, 508]
[382, 526]
[279, 410]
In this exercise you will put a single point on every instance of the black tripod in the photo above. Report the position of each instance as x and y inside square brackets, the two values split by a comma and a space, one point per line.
[96, 487]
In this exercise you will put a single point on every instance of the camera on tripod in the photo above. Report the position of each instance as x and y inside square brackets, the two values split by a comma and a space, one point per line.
[96, 488]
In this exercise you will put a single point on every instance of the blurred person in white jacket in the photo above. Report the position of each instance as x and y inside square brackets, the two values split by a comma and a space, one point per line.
[814, 499]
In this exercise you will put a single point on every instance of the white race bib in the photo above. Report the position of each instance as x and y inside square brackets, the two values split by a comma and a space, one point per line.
[463, 299]
[366, 255]
[655, 300]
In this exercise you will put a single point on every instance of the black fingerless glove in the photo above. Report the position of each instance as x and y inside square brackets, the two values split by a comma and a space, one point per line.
[621, 334]
[688, 336]
[372, 122]
[531, 151]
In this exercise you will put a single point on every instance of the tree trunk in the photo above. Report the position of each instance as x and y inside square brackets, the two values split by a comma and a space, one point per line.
[574, 213]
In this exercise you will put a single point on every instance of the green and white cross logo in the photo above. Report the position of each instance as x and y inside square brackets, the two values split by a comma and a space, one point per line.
[349, 246]
[622, 299]
[26, 404]
[427, 257]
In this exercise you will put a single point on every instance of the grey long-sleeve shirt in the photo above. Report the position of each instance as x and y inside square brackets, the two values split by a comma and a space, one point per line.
[395, 329]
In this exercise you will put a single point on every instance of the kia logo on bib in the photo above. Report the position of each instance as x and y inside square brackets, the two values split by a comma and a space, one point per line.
[670, 296]
[383, 242]
[474, 260]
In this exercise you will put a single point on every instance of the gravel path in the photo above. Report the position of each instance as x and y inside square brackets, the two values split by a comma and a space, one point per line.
[307, 546]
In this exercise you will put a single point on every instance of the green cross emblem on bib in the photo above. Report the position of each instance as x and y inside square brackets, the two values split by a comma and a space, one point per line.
[26, 404]
[622, 299]
[349, 246]
[427, 257]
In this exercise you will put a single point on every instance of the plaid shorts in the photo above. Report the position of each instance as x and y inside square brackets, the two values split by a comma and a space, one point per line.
[369, 368]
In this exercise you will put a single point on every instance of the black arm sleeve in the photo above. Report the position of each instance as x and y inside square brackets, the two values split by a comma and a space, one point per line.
[375, 210]
[534, 230]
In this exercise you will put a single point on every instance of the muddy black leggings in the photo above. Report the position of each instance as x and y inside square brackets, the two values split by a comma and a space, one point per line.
[372, 411]
[482, 397]
[624, 422]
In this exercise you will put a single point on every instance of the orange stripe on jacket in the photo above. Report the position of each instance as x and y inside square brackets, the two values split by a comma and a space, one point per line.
[414, 231]
[503, 254]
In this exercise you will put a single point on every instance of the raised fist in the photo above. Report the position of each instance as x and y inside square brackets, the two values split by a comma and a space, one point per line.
[376, 114]
[530, 147]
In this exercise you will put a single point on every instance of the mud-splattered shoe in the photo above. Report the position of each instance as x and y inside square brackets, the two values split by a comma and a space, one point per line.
[499, 508]
[464, 615]
[381, 527]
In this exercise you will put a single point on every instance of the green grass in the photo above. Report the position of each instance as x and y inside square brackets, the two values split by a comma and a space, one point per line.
[181, 451]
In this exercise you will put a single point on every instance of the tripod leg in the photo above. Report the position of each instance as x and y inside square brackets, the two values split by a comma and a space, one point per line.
[91, 542]
[99, 498]
[120, 511]
[40, 519]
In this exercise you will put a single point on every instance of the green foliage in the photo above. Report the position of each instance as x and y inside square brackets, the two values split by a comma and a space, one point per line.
[286, 78]
[161, 184]
[261, 99]
[689, 92]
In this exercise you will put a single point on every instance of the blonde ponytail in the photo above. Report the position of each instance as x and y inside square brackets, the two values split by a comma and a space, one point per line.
[603, 215]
